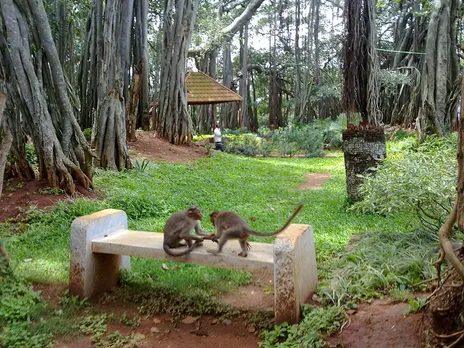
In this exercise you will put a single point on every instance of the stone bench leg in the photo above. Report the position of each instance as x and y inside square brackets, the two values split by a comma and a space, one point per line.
[295, 272]
[93, 273]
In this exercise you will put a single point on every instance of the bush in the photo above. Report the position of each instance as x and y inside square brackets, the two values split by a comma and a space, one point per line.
[292, 140]
[246, 144]
[380, 262]
[310, 332]
[424, 181]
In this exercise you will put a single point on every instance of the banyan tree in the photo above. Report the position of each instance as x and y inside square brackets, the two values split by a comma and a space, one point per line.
[39, 105]
[363, 140]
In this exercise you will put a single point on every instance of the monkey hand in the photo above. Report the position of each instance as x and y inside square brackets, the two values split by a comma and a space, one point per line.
[248, 246]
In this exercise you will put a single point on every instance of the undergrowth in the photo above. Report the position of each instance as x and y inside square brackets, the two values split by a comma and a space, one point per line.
[317, 323]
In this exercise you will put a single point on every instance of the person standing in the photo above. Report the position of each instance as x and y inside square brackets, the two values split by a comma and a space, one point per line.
[218, 137]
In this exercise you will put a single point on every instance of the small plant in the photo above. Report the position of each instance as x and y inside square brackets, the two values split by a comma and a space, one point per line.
[31, 155]
[94, 325]
[415, 305]
[87, 134]
[208, 148]
[50, 191]
[317, 323]
[133, 323]
[116, 340]
[141, 166]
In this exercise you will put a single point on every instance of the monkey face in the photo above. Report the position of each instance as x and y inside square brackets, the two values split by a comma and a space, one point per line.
[195, 213]
[212, 217]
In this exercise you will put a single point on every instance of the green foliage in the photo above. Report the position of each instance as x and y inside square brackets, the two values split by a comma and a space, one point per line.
[155, 297]
[246, 144]
[31, 155]
[309, 333]
[380, 262]
[21, 335]
[141, 166]
[287, 141]
[19, 305]
[18, 302]
[87, 133]
[423, 181]
[133, 323]
[415, 305]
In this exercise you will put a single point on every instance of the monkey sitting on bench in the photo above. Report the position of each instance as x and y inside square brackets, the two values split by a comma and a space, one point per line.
[179, 226]
[230, 225]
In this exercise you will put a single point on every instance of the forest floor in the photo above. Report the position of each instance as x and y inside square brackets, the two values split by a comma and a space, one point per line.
[380, 324]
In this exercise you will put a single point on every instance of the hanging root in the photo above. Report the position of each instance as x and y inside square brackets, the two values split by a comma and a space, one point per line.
[445, 305]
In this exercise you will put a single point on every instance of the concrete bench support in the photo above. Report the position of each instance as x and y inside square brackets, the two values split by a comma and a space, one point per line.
[92, 273]
[99, 240]
[295, 272]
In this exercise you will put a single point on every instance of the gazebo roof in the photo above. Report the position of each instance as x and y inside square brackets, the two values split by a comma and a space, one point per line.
[202, 89]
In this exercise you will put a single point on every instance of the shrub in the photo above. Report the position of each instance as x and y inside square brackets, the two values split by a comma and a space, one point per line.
[292, 140]
[246, 144]
[423, 181]
[310, 332]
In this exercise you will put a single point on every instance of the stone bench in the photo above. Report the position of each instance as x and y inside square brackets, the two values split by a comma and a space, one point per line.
[101, 245]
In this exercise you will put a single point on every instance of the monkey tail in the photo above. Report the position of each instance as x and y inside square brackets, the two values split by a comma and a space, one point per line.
[169, 251]
[295, 213]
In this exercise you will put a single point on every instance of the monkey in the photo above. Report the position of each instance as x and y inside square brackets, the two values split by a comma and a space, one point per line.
[179, 226]
[230, 225]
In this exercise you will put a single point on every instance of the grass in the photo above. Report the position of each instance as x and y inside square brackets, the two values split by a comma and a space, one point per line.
[265, 188]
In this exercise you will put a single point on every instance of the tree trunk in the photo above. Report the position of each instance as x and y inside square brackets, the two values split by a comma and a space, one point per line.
[110, 133]
[439, 73]
[363, 145]
[275, 101]
[175, 121]
[62, 159]
[141, 56]
[229, 111]
[90, 66]
[131, 122]
[243, 86]
[6, 138]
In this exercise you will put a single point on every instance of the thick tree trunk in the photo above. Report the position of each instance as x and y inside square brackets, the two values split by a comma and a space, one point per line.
[439, 75]
[133, 104]
[229, 111]
[363, 145]
[6, 138]
[90, 67]
[363, 151]
[275, 101]
[175, 121]
[60, 163]
[110, 133]
[141, 56]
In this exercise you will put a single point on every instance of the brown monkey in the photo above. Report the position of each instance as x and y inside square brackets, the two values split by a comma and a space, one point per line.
[179, 226]
[230, 225]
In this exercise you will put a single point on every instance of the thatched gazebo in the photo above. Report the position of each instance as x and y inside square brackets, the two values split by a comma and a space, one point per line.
[203, 89]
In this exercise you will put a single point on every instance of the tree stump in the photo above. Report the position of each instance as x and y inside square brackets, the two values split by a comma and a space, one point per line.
[363, 149]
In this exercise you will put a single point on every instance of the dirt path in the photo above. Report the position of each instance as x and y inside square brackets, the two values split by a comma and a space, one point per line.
[382, 324]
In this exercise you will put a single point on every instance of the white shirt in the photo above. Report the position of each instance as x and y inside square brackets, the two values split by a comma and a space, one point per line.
[217, 135]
